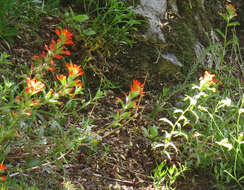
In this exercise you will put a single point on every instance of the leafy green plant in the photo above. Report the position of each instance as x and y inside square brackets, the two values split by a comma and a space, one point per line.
[165, 177]
[210, 124]
[7, 30]
[128, 109]
[116, 23]
[34, 102]
[13, 10]
[90, 6]
[76, 22]
[218, 49]
[5, 63]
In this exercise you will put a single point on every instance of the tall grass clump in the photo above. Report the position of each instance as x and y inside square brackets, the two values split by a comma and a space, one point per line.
[112, 22]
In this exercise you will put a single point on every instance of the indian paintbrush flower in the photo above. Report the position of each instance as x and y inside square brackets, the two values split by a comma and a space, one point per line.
[3, 167]
[61, 77]
[65, 33]
[33, 86]
[207, 80]
[137, 88]
[231, 10]
[3, 178]
[74, 70]
[78, 83]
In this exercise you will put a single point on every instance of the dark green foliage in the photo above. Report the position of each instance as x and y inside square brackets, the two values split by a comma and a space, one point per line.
[7, 30]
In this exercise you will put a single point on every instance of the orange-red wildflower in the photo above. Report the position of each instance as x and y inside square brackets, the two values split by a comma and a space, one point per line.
[58, 56]
[35, 102]
[231, 9]
[33, 86]
[18, 99]
[18, 135]
[78, 83]
[67, 35]
[135, 105]
[51, 69]
[61, 77]
[3, 178]
[35, 57]
[65, 52]
[74, 70]
[3, 167]
[137, 87]
[119, 99]
[43, 54]
[53, 48]
[210, 78]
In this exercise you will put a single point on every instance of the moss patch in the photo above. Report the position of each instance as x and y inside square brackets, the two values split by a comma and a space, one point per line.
[186, 29]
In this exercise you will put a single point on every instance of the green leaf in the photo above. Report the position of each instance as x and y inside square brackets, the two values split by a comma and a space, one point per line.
[89, 32]
[225, 17]
[154, 131]
[167, 121]
[125, 115]
[32, 163]
[165, 91]
[229, 43]
[80, 18]
[220, 33]
[145, 132]
[233, 24]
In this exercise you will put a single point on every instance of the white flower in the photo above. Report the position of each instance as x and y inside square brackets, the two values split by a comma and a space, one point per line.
[226, 102]
[225, 143]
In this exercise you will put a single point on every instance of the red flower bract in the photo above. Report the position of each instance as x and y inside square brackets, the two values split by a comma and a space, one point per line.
[3, 178]
[33, 86]
[74, 70]
[67, 35]
[208, 77]
[61, 77]
[2, 167]
[78, 83]
[231, 8]
[137, 87]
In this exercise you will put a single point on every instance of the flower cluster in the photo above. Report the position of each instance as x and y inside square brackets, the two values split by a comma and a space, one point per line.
[231, 10]
[207, 80]
[137, 87]
[55, 50]
[36, 93]
[2, 168]
[33, 86]
[65, 33]
[74, 70]
[125, 112]
[70, 85]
